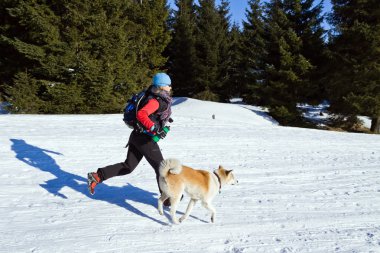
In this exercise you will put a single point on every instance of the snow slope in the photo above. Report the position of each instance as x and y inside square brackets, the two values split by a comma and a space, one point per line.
[299, 190]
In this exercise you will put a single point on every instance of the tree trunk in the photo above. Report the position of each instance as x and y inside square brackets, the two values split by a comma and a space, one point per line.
[375, 125]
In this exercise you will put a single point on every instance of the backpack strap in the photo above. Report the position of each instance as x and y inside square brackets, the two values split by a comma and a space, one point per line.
[148, 96]
[163, 104]
[156, 116]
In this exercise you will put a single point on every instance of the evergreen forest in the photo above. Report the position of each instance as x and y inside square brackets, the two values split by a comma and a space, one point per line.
[90, 56]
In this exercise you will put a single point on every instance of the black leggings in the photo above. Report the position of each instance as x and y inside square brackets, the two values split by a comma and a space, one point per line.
[140, 145]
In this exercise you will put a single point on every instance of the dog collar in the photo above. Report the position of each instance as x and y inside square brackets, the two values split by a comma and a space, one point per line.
[220, 182]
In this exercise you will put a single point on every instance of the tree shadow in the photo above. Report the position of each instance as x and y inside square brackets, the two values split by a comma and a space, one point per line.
[179, 100]
[262, 114]
[39, 158]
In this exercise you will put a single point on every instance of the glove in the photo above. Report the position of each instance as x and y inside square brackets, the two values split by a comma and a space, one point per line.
[162, 132]
[155, 128]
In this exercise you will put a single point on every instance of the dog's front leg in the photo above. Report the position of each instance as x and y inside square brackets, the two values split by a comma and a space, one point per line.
[188, 210]
[212, 209]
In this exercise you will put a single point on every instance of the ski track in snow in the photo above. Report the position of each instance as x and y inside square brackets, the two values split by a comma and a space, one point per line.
[300, 190]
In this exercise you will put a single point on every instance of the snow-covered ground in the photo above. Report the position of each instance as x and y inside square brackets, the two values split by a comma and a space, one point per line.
[300, 190]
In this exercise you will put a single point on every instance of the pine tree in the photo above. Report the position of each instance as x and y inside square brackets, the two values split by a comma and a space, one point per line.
[27, 34]
[182, 62]
[8, 55]
[286, 68]
[306, 20]
[25, 94]
[354, 86]
[253, 53]
[209, 37]
[233, 85]
[86, 56]
[225, 51]
[151, 38]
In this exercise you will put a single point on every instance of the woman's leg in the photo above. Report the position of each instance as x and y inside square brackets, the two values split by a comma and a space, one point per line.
[152, 153]
[126, 167]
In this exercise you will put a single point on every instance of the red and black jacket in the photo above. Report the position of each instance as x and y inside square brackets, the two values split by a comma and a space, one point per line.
[151, 108]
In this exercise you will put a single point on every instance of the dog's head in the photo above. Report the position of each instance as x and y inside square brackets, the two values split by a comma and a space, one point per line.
[226, 176]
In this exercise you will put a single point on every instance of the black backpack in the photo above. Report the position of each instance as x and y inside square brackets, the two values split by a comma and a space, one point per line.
[131, 109]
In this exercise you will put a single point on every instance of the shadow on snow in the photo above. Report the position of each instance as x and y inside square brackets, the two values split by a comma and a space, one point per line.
[262, 114]
[40, 159]
[179, 100]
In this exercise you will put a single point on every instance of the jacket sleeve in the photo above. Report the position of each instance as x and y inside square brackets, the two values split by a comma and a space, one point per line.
[143, 114]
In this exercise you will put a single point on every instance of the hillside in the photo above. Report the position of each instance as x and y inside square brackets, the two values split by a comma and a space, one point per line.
[300, 190]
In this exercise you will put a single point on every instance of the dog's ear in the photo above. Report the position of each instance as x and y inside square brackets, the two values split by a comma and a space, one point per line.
[220, 167]
[228, 172]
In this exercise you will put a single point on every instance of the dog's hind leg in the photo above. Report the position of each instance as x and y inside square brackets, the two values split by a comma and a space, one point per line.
[173, 207]
[188, 210]
[211, 208]
[161, 201]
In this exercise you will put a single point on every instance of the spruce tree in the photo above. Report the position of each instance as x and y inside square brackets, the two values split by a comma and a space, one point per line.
[151, 37]
[182, 62]
[253, 53]
[86, 56]
[354, 83]
[25, 94]
[28, 34]
[225, 57]
[233, 84]
[286, 68]
[8, 55]
[84, 31]
[306, 20]
[209, 40]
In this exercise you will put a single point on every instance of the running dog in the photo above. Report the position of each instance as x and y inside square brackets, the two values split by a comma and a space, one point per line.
[199, 184]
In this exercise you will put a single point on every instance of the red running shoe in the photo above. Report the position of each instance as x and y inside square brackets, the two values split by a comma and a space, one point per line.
[93, 180]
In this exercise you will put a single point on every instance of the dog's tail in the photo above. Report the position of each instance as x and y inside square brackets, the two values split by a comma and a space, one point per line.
[172, 166]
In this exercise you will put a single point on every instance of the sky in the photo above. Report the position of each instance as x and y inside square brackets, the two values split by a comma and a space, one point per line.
[238, 8]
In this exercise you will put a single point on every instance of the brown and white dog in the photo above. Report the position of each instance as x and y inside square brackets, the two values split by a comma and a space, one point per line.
[199, 184]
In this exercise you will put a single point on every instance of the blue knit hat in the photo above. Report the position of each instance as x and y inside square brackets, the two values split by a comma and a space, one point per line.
[161, 79]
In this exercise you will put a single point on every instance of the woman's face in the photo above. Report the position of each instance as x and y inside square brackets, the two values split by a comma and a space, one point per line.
[167, 88]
